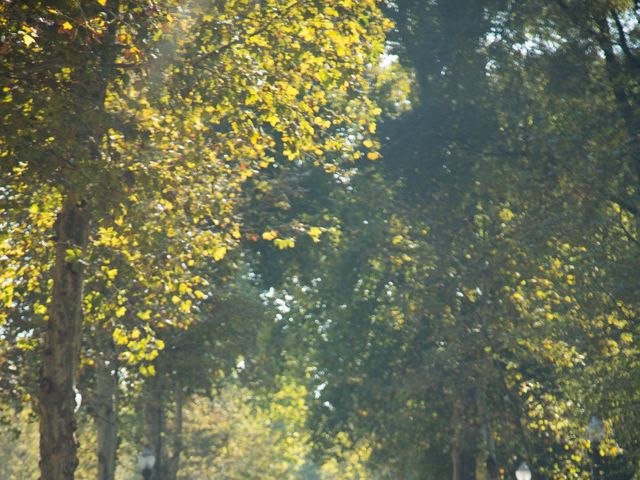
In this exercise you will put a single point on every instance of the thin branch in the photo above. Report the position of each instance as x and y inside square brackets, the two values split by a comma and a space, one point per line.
[632, 209]
[622, 39]
[613, 300]
[627, 233]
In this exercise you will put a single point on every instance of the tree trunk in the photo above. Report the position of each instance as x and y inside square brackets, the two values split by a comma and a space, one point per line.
[463, 458]
[487, 433]
[464, 463]
[154, 426]
[106, 413]
[173, 463]
[58, 444]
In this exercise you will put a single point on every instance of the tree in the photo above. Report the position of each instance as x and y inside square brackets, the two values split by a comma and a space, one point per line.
[502, 184]
[112, 109]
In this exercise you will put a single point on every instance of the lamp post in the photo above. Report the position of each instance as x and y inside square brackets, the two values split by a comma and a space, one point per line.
[146, 461]
[523, 472]
[595, 434]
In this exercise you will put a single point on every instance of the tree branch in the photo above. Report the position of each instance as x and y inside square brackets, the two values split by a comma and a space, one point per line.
[629, 208]
[622, 39]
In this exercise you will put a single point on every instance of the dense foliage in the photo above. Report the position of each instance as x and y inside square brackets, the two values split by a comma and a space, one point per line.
[306, 239]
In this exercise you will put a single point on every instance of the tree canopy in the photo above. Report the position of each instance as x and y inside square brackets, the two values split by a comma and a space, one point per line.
[307, 239]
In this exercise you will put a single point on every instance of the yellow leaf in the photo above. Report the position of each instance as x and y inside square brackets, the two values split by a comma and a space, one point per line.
[373, 155]
[314, 233]
[332, 11]
[283, 243]
[518, 297]
[152, 355]
[147, 370]
[185, 307]
[146, 315]
[102, 2]
[120, 311]
[397, 240]
[27, 39]
[506, 215]
[219, 253]
[270, 235]
[307, 33]
[67, 26]
[39, 309]
[368, 143]
[120, 336]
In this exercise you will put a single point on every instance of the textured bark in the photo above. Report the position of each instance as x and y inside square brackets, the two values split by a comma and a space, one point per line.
[58, 444]
[106, 413]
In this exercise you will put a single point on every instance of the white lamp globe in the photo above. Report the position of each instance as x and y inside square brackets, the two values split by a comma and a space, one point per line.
[595, 430]
[146, 460]
[523, 472]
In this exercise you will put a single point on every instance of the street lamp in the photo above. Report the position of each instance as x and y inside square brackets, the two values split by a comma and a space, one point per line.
[146, 461]
[523, 472]
[595, 434]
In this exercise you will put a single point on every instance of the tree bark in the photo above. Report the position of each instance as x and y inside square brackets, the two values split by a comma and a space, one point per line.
[106, 413]
[58, 445]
